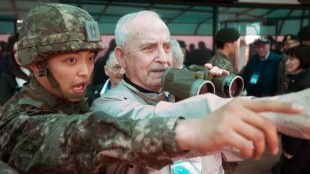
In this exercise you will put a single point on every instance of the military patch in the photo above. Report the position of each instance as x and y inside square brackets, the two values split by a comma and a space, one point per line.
[92, 31]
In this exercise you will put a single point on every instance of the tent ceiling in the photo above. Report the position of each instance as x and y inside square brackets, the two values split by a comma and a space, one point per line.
[183, 17]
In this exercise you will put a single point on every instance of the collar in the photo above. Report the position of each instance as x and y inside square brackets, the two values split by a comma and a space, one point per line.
[266, 56]
[140, 89]
[220, 53]
[52, 102]
[106, 87]
[149, 97]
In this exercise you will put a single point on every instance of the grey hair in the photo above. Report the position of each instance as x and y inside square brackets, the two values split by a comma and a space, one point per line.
[122, 32]
[177, 53]
[110, 58]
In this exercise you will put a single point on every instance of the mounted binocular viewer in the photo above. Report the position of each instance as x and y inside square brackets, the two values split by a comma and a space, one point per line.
[196, 80]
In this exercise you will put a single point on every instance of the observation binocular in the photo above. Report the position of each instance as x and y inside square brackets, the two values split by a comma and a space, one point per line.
[196, 80]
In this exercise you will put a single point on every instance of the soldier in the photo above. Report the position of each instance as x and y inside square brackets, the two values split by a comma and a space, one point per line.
[45, 127]
[226, 41]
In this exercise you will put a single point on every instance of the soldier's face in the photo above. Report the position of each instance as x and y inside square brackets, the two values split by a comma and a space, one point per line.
[147, 53]
[72, 71]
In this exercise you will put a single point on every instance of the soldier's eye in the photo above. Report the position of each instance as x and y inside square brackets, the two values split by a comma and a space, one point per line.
[91, 59]
[71, 60]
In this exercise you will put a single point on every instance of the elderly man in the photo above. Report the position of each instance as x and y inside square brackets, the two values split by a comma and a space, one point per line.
[143, 50]
[260, 73]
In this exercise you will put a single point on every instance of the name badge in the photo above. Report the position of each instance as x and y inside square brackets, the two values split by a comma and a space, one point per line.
[254, 79]
[188, 166]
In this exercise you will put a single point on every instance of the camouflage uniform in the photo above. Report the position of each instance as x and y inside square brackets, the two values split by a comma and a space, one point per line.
[222, 61]
[283, 79]
[5, 169]
[42, 133]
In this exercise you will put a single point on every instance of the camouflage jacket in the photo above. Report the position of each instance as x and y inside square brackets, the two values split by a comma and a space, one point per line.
[6, 169]
[283, 79]
[40, 133]
[222, 61]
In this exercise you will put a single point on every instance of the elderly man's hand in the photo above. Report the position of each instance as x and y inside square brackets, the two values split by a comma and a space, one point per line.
[238, 124]
[216, 71]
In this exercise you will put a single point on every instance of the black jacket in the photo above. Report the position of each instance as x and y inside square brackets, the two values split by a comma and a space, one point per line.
[8, 86]
[297, 82]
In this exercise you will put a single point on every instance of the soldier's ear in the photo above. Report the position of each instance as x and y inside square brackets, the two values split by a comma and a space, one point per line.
[120, 56]
[35, 68]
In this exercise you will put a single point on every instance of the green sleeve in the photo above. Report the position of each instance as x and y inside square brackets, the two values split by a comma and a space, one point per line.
[83, 143]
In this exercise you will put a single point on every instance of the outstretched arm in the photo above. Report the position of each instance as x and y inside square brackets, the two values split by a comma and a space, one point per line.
[296, 126]
[238, 124]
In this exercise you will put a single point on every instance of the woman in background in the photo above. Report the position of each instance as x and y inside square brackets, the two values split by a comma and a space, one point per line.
[297, 151]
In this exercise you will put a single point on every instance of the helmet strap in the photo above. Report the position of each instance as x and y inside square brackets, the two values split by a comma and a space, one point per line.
[43, 69]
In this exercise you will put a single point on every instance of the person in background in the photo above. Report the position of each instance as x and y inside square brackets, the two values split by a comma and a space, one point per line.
[13, 80]
[144, 51]
[114, 71]
[99, 77]
[226, 42]
[201, 55]
[297, 151]
[177, 54]
[46, 126]
[289, 41]
[260, 73]
[304, 35]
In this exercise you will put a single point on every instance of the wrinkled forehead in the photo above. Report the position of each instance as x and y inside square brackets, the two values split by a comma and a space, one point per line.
[112, 62]
[148, 27]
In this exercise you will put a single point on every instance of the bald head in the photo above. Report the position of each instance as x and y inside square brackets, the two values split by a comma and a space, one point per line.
[131, 24]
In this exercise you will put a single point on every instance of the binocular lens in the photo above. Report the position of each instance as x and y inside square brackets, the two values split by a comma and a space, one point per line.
[233, 85]
[206, 87]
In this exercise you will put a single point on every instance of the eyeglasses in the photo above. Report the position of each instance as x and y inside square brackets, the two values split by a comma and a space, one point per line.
[115, 68]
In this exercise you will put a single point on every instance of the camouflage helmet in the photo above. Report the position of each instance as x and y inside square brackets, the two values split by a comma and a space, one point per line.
[51, 29]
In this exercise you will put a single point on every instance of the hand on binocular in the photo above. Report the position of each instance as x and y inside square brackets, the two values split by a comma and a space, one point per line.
[216, 71]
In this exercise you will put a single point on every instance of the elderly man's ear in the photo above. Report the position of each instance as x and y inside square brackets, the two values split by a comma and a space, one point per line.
[120, 56]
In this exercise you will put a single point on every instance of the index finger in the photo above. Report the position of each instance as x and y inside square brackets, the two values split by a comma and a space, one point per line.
[273, 106]
[209, 65]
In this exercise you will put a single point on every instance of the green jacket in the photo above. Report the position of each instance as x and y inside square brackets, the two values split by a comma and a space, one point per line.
[220, 60]
[41, 133]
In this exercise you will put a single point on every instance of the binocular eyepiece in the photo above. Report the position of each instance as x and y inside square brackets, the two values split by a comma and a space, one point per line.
[196, 80]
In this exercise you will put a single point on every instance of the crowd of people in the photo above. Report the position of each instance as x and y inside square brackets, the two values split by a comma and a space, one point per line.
[60, 119]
